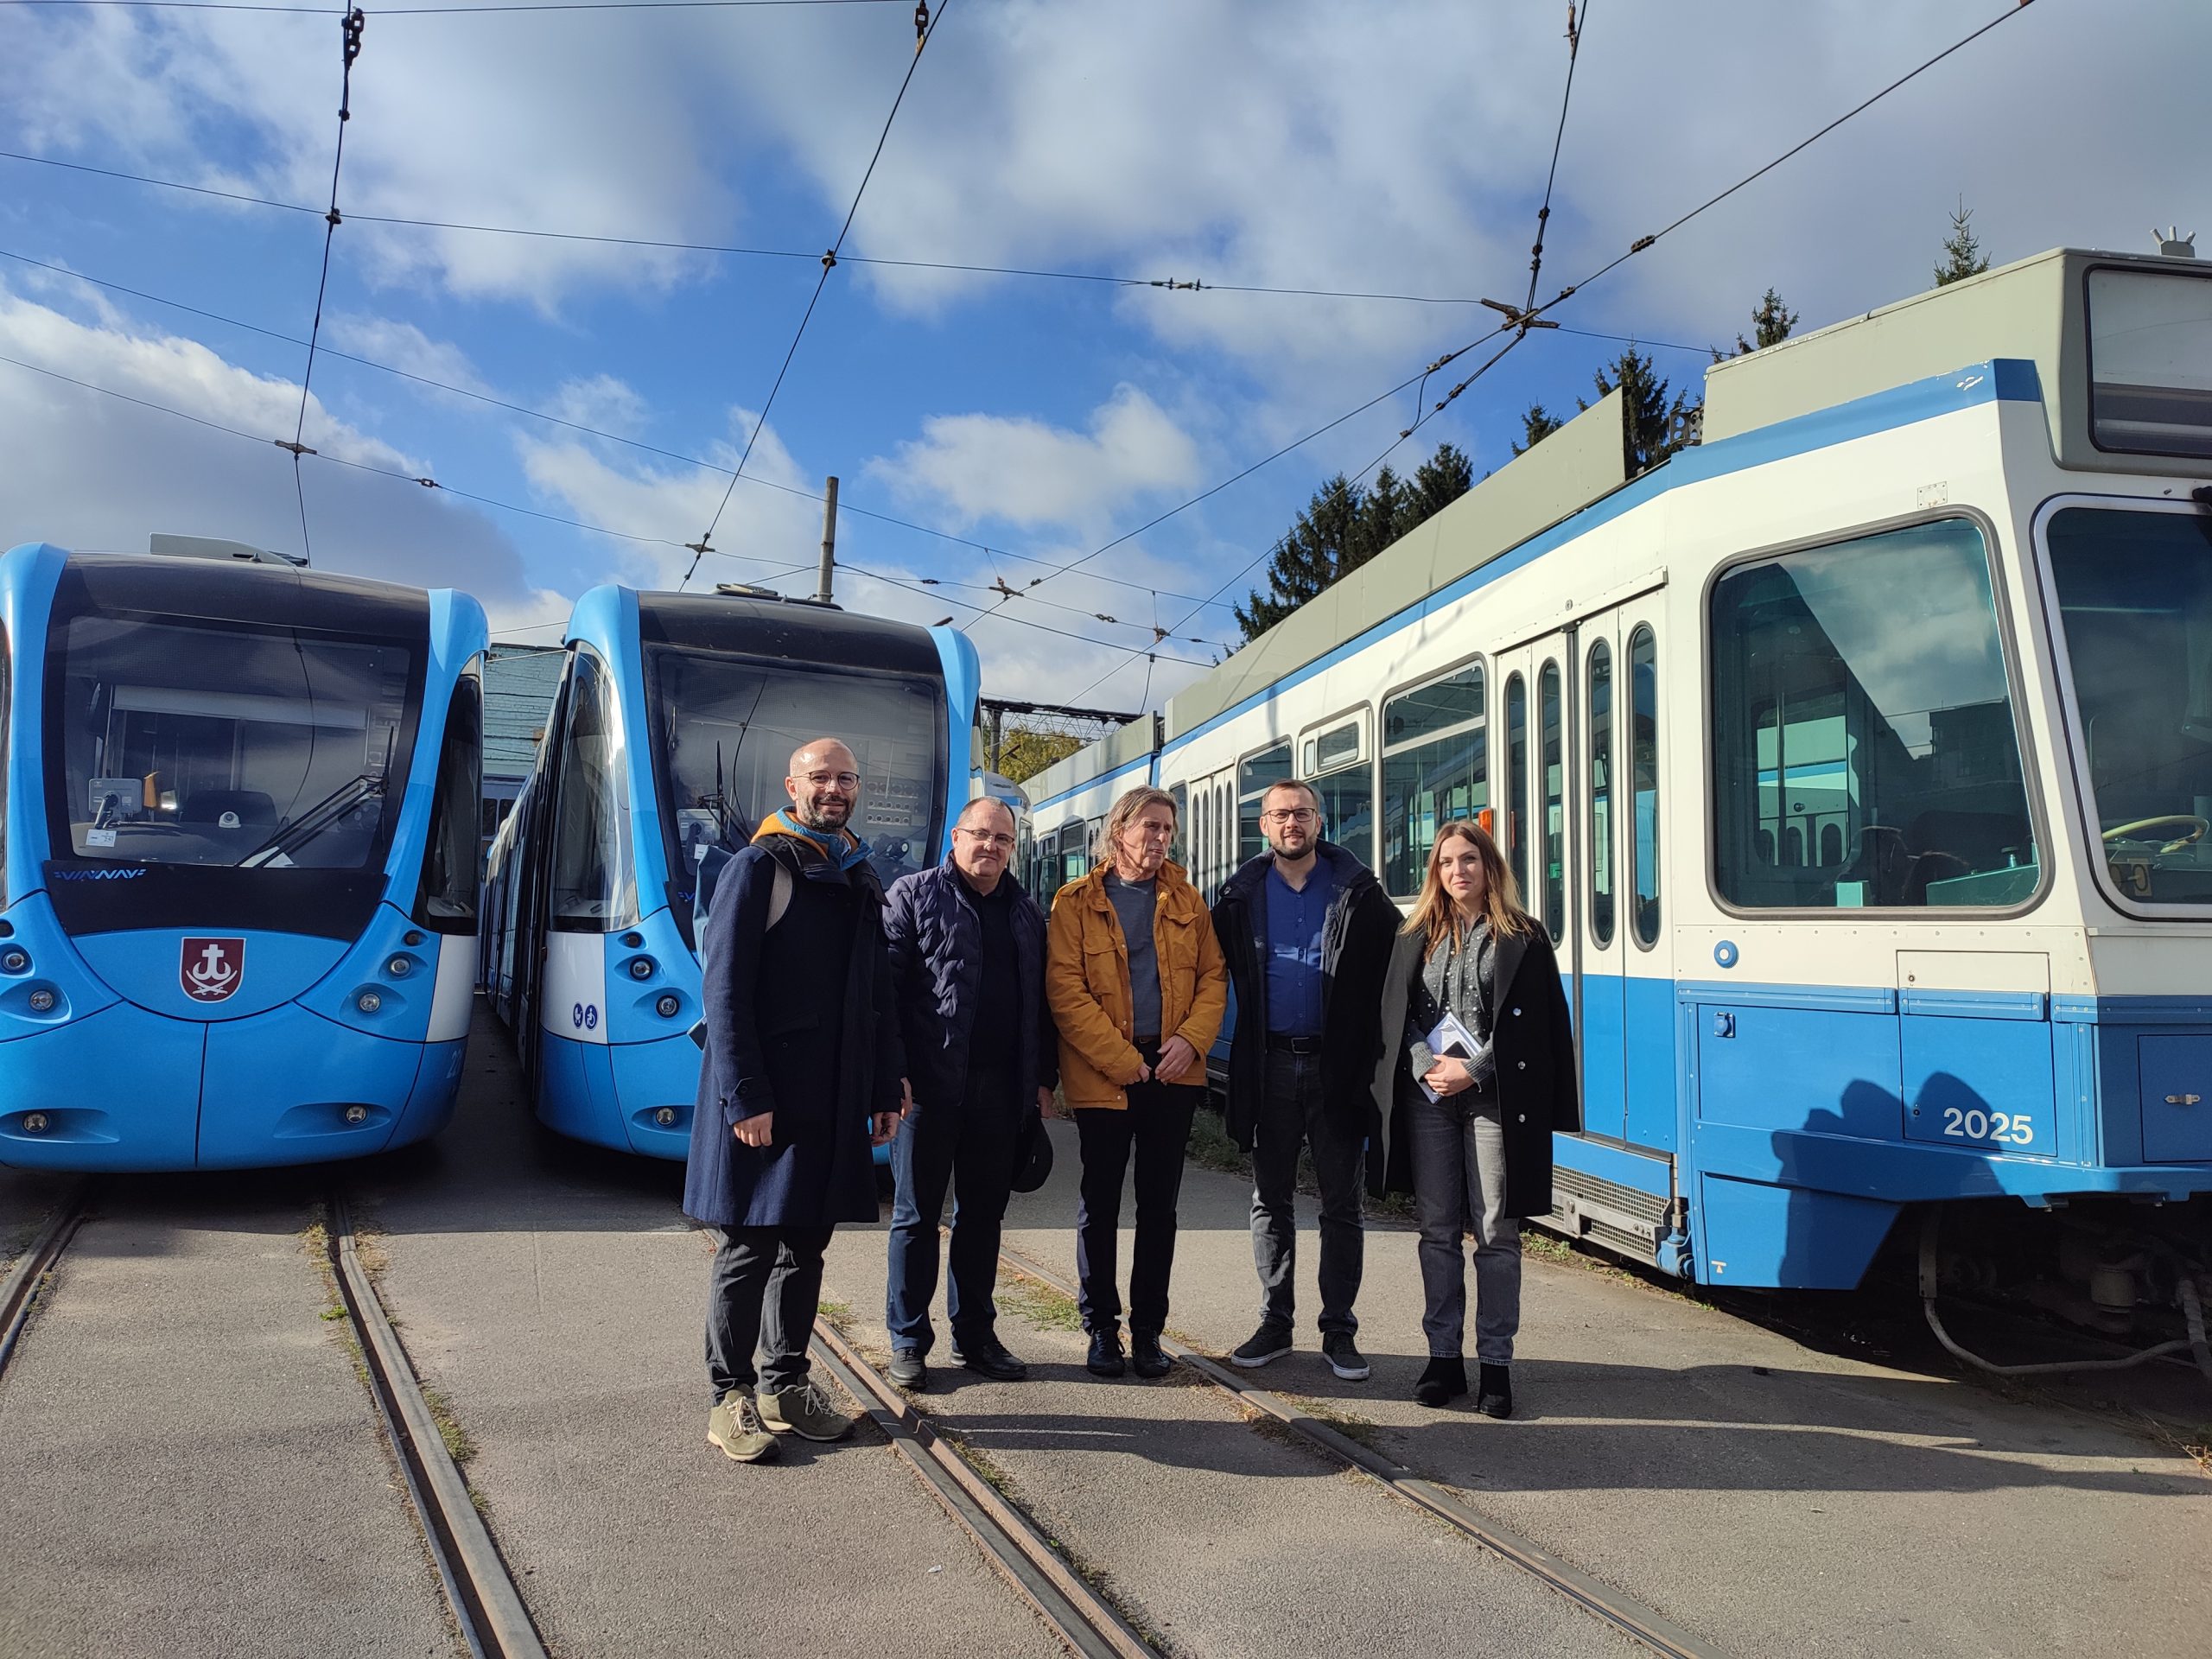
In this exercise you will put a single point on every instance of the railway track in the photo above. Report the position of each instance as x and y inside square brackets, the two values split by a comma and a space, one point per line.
[486, 1608]
[1610, 1606]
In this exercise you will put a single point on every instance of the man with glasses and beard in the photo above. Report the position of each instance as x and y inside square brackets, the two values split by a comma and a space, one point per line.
[1306, 930]
[968, 961]
[802, 1076]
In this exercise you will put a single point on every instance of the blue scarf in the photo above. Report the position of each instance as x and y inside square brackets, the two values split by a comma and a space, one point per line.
[841, 847]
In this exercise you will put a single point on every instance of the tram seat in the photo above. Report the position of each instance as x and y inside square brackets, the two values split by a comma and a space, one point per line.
[254, 809]
[1881, 861]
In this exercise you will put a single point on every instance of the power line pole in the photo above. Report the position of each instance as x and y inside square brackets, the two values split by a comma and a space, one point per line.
[828, 540]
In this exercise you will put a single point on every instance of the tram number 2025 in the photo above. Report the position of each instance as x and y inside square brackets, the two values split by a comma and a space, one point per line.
[2018, 1129]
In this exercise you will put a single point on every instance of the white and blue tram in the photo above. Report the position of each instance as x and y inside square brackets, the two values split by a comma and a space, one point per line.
[238, 858]
[1858, 760]
[668, 740]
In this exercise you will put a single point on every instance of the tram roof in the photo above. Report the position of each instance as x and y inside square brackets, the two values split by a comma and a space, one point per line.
[792, 630]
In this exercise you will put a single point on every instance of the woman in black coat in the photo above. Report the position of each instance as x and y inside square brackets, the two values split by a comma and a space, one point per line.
[1470, 1119]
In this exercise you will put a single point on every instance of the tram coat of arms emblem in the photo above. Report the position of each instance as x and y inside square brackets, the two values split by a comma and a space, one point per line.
[211, 969]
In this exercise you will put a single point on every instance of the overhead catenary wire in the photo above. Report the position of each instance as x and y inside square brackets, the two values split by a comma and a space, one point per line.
[927, 27]
[446, 11]
[350, 29]
[1519, 324]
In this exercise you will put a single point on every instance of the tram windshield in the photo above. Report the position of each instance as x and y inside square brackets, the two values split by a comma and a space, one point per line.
[211, 744]
[2135, 601]
[728, 726]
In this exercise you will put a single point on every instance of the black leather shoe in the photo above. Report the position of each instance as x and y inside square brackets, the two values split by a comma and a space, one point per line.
[1441, 1381]
[1105, 1354]
[988, 1357]
[1494, 1391]
[1146, 1357]
[908, 1369]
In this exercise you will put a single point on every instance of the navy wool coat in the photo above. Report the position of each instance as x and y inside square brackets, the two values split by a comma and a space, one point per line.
[937, 961]
[800, 1023]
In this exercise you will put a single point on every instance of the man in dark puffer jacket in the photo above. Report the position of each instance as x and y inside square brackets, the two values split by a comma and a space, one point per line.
[968, 969]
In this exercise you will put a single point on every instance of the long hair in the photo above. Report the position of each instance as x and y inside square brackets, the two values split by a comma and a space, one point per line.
[1435, 917]
[1123, 813]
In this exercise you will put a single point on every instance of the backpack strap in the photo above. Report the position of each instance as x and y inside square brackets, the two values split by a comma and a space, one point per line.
[780, 891]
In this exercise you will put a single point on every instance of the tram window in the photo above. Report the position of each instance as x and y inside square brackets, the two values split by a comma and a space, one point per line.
[2134, 592]
[1254, 774]
[2150, 361]
[1435, 768]
[1199, 872]
[594, 888]
[1178, 848]
[1338, 768]
[229, 746]
[1643, 784]
[1553, 761]
[727, 727]
[446, 902]
[1517, 780]
[1600, 672]
[1837, 707]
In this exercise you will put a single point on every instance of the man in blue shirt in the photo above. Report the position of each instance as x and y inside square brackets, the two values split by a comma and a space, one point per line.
[1306, 930]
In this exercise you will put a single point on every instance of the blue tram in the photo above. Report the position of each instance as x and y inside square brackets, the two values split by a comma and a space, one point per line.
[238, 858]
[1858, 761]
[668, 740]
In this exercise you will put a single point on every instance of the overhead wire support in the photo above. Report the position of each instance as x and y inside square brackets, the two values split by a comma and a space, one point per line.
[924, 27]
[351, 28]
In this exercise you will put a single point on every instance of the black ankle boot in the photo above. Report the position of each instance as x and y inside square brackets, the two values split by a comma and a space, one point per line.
[1443, 1381]
[1494, 1391]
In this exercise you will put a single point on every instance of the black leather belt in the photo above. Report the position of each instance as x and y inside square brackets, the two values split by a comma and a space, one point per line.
[1283, 1045]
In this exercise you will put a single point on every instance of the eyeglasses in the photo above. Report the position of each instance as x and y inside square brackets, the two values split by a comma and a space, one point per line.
[988, 838]
[846, 781]
[1289, 814]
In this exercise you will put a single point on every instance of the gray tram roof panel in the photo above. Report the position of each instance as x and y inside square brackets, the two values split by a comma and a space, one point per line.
[519, 685]
[1584, 462]
[2036, 309]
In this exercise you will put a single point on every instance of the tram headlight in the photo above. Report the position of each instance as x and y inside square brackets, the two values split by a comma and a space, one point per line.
[15, 961]
[42, 1002]
[35, 1122]
[368, 1001]
[399, 967]
[667, 1006]
[357, 1114]
[641, 967]
[664, 1116]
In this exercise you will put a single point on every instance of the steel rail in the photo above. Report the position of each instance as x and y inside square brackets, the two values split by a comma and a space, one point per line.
[1086, 1623]
[1645, 1625]
[19, 1293]
[478, 1588]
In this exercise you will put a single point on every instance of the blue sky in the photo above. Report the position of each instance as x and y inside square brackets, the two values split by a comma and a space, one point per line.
[1381, 147]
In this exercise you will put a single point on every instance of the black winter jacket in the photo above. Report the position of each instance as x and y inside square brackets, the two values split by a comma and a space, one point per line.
[1355, 949]
[937, 959]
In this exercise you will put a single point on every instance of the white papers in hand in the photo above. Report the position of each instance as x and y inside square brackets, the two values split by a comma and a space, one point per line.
[1452, 1040]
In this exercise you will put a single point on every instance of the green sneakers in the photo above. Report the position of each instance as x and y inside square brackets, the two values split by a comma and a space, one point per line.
[805, 1411]
[735, 1426]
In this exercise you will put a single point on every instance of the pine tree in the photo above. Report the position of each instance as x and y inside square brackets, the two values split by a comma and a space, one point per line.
[1655, 427]
[1343, 526]
[1962, 254]
[1536, 425]
[1771, 322]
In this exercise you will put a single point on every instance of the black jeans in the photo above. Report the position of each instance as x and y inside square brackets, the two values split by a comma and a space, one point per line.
[1293, 1113]
[763, 1292]
[1156, 1124]
[969, 1143]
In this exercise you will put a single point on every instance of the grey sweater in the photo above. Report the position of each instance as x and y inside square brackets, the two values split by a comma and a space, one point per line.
[1461, 978]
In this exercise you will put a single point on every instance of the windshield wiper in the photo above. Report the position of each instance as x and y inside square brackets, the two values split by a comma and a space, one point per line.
[333, 808]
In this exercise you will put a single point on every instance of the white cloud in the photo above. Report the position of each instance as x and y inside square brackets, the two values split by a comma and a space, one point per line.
[100, 474]
[600, 401]
[401, 346]
[1021, 471]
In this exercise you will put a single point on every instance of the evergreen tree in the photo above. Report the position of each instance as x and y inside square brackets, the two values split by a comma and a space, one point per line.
[1656, 427]
[1771, 322]
[1536, 426]
[1343, 526]
[1962, 254]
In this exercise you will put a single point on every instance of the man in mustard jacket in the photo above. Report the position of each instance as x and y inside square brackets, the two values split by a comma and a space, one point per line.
[1137, 987]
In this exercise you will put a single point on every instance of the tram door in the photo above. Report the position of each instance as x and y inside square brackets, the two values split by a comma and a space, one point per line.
[1585, 808]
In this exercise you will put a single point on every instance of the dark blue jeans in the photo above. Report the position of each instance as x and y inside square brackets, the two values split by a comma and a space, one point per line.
[969, 1144]
[1294, 1113]
[1156, 1126]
